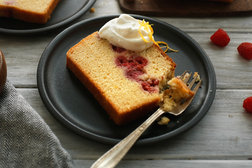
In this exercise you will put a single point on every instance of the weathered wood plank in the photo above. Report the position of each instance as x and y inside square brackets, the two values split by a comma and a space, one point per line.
[224, 133]
[232, 71]
[173, 163]
[22, 57]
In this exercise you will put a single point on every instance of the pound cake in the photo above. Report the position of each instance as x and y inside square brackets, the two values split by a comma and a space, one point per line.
[126, 83]
[123, 67]
[38, 11]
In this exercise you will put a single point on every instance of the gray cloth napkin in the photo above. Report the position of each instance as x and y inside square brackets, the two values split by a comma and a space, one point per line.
[25, 138]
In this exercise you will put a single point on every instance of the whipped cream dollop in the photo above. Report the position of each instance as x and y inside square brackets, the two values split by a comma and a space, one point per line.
[124, 32]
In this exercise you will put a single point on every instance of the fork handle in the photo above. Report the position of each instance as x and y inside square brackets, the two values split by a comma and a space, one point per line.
[112, 157]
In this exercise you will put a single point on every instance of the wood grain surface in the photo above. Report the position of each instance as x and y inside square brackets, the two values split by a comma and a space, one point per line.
[223, 138]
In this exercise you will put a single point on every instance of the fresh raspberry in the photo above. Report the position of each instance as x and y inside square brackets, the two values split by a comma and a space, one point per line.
[220, 38]
[247, 104]
[245, 50]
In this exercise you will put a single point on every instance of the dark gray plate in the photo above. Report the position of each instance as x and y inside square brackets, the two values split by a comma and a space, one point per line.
[70, 102]
[65, 12]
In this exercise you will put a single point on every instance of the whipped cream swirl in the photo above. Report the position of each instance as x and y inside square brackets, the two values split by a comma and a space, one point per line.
[124, 32]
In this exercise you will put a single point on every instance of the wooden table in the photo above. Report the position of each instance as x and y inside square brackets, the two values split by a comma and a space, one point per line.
[222, 139]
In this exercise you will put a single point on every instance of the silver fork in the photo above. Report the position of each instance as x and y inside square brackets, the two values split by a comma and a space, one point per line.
[112, 157]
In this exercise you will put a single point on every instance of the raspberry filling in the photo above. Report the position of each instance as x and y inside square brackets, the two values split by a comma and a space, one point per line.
[118, 49]
[133, 66]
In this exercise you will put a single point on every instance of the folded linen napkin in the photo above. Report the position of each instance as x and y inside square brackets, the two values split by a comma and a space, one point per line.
[25, 138]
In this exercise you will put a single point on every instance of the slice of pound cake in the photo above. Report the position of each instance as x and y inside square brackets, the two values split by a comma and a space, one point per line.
[38, 11]
[125, 82]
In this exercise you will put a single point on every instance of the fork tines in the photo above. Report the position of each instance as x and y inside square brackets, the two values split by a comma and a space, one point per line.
[185, 77]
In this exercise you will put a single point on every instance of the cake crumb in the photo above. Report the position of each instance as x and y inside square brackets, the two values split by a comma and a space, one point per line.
[197, 76]
[92, 10]
[164, 121]
[187, 75]
[176, 94]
